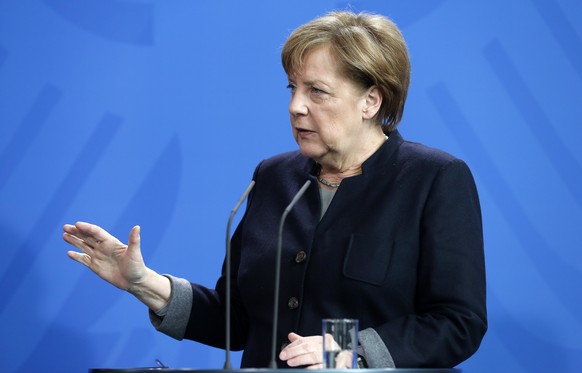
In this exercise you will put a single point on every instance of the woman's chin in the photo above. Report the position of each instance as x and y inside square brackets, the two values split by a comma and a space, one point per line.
[311, 152]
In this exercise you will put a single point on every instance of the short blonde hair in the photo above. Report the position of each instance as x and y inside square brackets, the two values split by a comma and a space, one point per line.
[370, 50]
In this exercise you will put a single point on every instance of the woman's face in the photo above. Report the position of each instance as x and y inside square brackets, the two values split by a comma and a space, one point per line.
[326, 111]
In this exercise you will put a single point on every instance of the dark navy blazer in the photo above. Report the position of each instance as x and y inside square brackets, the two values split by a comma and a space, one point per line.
[400, 248]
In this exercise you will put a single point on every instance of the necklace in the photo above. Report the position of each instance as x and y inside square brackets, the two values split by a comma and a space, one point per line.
[327, 183]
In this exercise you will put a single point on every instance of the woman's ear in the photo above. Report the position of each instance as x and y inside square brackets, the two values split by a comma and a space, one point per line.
[373, 103]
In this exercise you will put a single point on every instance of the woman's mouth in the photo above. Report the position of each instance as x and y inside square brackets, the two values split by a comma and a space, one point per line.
[303, 133]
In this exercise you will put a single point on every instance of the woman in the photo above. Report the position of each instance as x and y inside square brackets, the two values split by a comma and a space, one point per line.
[389, 231]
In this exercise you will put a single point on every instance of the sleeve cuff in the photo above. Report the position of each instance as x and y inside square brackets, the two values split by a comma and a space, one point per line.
[374, 350]
[172, 319]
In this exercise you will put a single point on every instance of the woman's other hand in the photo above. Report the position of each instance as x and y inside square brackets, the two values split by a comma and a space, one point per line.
[303, 351]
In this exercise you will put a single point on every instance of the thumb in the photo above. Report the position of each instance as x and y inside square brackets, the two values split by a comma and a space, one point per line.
[134, 241]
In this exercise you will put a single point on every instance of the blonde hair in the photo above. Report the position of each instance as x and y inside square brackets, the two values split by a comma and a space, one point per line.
[370, 50]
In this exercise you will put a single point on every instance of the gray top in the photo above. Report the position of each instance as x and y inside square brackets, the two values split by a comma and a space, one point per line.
[326, 197]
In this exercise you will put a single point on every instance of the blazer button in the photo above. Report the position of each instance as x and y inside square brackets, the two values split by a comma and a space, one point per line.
[293, 303]
[300, 257]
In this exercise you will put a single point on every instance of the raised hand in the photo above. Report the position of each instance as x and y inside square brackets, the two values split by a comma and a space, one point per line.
[119, 264]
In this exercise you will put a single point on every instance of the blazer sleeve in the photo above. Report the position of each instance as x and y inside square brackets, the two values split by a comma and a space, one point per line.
[450, 318]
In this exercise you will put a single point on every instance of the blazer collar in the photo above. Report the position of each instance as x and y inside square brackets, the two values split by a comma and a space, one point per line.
[376, 162]
[382, 156]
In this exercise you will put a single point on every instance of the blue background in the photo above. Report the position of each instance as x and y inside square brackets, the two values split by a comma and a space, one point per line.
[155, 113]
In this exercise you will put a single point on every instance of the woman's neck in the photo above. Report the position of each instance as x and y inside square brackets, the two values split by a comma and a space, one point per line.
[335, 170]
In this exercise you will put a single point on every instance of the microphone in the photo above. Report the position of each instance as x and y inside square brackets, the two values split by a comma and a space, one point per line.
[228, 265]
[273, 363]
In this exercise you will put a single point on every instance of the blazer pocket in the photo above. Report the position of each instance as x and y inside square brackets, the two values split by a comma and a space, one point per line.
[367, 259]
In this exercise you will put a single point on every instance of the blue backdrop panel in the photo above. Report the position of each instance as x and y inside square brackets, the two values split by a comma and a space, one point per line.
[125, 112]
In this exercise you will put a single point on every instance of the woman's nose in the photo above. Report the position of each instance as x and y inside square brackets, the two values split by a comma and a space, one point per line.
[297, 105]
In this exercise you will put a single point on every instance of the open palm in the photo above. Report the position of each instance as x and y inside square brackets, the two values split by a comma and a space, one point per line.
[119, 264]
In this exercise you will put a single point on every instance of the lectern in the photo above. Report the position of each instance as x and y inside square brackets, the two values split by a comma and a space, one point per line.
[188, 370]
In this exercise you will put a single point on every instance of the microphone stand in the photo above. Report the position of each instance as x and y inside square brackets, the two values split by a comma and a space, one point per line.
[273, 363]
[227, 365]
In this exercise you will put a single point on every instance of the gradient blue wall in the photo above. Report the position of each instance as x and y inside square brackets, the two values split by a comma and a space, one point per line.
[155, 113]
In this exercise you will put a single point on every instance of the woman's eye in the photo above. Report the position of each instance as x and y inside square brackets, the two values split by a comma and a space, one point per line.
[317, 91]
[291, 87]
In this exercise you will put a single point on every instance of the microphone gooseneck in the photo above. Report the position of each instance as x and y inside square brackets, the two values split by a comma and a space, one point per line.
[227, 365]
[273, 363]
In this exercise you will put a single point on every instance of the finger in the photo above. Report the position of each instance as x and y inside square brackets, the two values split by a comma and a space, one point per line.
[310, 358]
[315, 366]
[314, 340]
[75, 231]
[302, 344]
[91, 233]
[295, 340]
[344, 359]
[293, 337]
[78, 243]
[69, 228]
[330, 343]
[80, 257]
[302, 350]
